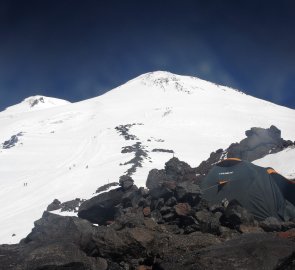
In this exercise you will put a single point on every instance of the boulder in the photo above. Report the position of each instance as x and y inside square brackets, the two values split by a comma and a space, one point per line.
[179, 171]
[166, 209]
[169, 184]
[169, 216]
[55, 205]
[56, 242]
[271, 224]
[216, 208]
[188, 192]
[126, 244]
[156, 216]
[155, 179]
[143, 191]
[131, 197]
[53, 227]
[171, 201]
[182, 209]
[235, 215]
[71, 206]
[144, 202]
[161, 192]
[208, 221]
[126, 182]
[102, 207]
[157, 204]
[131, 218]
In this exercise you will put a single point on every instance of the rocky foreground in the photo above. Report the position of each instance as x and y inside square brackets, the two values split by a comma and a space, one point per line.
[165, 227]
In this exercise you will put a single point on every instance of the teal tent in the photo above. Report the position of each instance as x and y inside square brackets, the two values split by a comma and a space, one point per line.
[254, 187]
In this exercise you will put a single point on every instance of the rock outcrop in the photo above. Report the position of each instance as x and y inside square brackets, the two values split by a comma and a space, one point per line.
[258, 143]
[69, 206]
[14, 139]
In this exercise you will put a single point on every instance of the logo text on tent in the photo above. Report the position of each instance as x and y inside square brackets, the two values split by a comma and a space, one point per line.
[223, 173]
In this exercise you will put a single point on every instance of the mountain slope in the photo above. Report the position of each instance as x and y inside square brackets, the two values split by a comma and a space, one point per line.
[283, 162]
[67, 151]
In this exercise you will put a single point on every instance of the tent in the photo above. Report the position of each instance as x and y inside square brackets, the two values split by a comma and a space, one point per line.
[254, 187]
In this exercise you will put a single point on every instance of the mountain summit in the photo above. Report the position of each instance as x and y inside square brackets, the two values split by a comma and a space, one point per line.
[67, 150]
[36, 103]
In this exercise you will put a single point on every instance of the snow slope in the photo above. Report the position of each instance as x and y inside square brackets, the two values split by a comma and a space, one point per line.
[283, 162]
[68, 150]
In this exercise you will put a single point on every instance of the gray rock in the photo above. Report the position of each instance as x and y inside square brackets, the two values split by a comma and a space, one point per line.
[271, 224]
[155, 179]
[208, 221]
[163, 193]
[156, 216]
[55, 205]
[126, 182]
[235, 214]
[188, 192]
[101, 208]
[179, 171]
[171, 202]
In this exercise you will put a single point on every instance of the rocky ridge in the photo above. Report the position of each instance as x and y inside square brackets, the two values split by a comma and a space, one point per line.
[167, 226]
[139, 150]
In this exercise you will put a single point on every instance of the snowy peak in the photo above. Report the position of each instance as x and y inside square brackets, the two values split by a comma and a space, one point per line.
[187, 84]
[37, 102]
[158, 77]
[164, 80]
[163, 88]
[33, 101]
[166, 87]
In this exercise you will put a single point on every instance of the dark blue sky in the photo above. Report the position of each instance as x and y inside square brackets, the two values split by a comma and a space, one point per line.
[77, 49]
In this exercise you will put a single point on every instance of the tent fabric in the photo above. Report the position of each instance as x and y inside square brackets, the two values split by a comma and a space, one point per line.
[251, 185]
[286, 186]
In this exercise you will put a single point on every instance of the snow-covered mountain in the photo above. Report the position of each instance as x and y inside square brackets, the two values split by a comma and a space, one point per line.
[67, 150]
